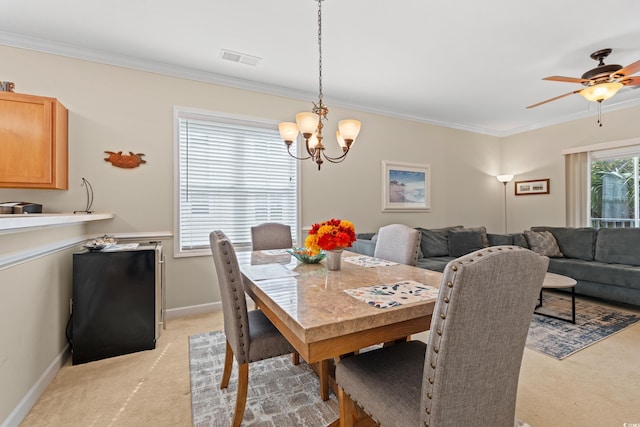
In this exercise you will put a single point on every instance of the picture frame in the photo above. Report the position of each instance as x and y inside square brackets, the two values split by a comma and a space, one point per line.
[532, 186]
[406, 187]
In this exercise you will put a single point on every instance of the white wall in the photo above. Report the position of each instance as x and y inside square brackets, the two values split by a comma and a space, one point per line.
[113, 108]
[537, 155]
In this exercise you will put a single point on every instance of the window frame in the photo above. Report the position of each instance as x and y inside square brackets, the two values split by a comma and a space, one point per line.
[180, 112]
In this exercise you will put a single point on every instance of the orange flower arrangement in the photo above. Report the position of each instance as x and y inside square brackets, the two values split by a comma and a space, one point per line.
[330, 235]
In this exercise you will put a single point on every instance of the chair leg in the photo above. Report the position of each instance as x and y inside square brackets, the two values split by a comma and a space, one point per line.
[346, 408]
[295, 358]
[241, 397]
[228, 364]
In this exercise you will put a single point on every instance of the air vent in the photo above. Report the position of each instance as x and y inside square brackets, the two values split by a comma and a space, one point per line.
[242, 58]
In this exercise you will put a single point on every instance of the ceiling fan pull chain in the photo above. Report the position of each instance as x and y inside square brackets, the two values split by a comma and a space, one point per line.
[600, 113]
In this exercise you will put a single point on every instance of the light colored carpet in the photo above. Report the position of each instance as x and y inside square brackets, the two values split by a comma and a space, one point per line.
[561, 339]
[280, 394]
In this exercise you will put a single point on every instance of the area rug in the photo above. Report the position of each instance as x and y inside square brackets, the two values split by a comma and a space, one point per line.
[561, 339]
[280, 394]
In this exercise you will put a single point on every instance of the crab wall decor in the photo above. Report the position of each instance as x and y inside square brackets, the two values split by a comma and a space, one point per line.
[126, 161]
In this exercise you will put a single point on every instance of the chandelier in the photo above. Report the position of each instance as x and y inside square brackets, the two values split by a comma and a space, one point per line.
[310, 125]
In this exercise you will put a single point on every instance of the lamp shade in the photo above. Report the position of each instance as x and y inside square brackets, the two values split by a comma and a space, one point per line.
[504, 178]
[341, 140]
[600, 92]
[288, 131]
[313, 140]
[349, 129]
[307, 123]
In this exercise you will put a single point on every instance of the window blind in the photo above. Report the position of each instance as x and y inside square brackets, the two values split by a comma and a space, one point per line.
[233, 174]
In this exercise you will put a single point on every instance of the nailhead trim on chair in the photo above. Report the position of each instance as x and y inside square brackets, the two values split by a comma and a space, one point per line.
[439, 325]
[225, 252]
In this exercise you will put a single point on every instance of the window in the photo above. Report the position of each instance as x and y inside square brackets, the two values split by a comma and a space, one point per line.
[614, 187]
[231, 174]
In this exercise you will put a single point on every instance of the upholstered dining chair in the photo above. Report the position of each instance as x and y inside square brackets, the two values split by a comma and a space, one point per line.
[250, 335]
[467, 373]
[398, 243]
[271, 235]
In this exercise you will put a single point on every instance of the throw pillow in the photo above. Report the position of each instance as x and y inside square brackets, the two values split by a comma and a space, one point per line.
[435, 242]
[543, 243]
[483, 234]
[465, 241]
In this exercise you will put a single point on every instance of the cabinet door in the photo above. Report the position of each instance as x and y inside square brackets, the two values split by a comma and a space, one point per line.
[33, 142]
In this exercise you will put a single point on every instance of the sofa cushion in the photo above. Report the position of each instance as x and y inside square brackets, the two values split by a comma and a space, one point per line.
[434, 263]
[543, 243]
[500, 239]
[520, 240]
[618, 245]
[435, 241]
[465, 241]
[483, 234]
[627, 276]
[576, 243]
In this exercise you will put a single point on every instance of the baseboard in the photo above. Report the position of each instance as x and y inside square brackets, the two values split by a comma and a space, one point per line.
[20, 412]
[192, 310]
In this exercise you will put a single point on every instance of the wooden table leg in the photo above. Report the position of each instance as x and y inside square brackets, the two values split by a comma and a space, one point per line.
[323, 375]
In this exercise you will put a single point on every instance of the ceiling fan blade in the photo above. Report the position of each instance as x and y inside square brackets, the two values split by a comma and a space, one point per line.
[632, 81]
[565, 79]
[629, 69]
[553, 99]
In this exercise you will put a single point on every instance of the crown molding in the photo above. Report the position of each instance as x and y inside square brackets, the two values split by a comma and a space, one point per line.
[46, 46]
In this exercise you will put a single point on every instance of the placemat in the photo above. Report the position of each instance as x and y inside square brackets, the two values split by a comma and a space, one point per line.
[394, 294]
[367, 261]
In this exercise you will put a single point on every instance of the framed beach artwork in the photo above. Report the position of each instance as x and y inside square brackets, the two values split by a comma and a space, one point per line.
[406, 187]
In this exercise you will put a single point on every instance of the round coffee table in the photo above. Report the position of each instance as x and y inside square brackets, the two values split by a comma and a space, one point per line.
[557, 281]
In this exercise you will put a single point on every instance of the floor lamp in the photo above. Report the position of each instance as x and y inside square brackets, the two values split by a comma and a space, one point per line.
[504, 179]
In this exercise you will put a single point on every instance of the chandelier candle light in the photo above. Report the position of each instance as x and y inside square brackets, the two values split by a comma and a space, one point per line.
[332, 236]
[309, 124]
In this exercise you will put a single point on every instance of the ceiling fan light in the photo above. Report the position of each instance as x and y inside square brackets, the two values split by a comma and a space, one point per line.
[307, 122]
[288, 131]
[601, 91]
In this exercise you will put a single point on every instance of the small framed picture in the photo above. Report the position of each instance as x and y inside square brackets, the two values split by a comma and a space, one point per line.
[406, 187]
[534, 186]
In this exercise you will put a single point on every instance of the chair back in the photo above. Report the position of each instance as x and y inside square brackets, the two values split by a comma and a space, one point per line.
[398, 243]
[271, 235]
[478, 333]
[234, 303]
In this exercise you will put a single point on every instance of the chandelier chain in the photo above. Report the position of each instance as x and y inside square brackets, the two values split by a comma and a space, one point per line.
[320, 52]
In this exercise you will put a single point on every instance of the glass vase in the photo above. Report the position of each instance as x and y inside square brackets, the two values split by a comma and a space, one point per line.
[334, 259]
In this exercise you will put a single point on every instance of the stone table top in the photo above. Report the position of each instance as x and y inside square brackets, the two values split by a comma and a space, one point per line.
[313, 305]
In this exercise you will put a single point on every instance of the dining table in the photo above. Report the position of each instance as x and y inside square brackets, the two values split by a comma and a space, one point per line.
[327, 314]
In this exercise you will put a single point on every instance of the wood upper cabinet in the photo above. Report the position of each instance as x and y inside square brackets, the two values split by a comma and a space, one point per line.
[33, 142]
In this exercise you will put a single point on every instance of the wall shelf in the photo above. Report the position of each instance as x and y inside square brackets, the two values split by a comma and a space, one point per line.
[15, 223]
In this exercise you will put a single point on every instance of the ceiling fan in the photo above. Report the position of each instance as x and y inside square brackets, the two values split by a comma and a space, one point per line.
[601, 82]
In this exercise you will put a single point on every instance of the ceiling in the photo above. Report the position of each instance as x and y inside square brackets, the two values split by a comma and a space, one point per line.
[472, 65]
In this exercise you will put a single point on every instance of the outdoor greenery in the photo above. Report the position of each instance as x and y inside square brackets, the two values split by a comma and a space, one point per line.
[613, 183]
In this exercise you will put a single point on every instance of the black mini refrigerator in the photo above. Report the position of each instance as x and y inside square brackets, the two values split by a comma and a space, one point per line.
[117, 301]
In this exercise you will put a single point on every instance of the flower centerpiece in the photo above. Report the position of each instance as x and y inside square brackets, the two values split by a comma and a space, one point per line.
[331, 236]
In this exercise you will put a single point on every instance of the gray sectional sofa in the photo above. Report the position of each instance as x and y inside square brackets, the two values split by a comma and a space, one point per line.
[604, 262]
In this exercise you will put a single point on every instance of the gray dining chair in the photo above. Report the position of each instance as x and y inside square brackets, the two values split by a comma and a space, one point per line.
[467, 373]
[271, 235]
[250, 335]
[398, 243]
